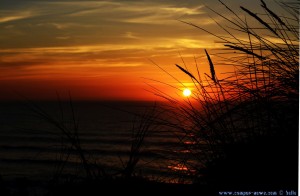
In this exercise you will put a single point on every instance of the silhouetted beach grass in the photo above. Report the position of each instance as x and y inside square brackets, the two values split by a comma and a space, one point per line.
[249, 118]
[236, 133]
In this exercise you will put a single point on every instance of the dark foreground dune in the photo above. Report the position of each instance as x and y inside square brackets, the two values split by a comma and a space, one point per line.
[259, 167]
[107, 187]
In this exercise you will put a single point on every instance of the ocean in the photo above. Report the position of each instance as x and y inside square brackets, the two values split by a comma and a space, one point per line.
[32, 147]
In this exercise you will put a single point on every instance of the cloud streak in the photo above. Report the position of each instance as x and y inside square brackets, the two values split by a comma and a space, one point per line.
[91, 39]
[9, 17]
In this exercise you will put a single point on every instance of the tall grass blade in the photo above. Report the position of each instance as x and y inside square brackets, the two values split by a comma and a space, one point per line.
[211, 66]
[260, 20]
[264, 5]
[246, 51]
[187, 72]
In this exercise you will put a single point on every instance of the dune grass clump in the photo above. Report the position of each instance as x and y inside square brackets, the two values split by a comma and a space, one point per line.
[68, 131]
[252, 112]
[88, 168]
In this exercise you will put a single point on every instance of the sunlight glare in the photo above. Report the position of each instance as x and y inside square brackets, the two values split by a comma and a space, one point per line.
[186, 92]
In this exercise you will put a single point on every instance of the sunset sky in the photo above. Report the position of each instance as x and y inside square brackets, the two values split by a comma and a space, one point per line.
[102, 50]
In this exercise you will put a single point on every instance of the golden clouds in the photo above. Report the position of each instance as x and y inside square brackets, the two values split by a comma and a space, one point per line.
[98, 39]
[13, 16]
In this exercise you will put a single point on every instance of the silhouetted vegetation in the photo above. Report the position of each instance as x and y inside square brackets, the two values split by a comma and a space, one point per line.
[244, 127]
[238, 133]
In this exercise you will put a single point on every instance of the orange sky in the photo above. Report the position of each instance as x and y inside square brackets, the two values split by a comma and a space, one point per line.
[102, 50]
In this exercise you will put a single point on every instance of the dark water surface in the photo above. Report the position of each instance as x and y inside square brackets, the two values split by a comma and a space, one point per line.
[32, 147]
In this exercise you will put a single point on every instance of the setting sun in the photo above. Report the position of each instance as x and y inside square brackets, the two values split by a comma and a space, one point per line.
[186, 92]
[149, 96]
